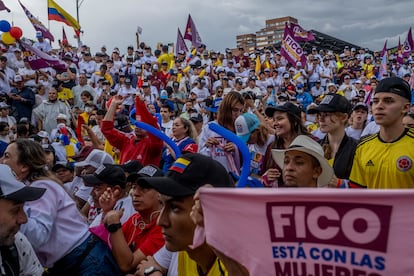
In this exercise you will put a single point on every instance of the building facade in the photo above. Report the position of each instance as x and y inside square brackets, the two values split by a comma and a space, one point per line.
[268, 36]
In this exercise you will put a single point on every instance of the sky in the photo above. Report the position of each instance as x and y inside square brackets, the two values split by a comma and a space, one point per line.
[367, 23]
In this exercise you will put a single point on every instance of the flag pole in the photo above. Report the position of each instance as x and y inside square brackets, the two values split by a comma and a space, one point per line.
[137, 35]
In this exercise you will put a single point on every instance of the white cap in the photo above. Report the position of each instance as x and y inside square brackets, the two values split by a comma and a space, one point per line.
[96, 159]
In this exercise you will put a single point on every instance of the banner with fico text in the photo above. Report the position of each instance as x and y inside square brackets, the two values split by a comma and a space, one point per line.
[291, 49]
[313, 232]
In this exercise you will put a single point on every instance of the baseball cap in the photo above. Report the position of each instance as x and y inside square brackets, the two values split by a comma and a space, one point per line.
[18, 78]
[39, 34]
[62, 116]
[287, 107]
[360, 106]
[107, 173]
[131, 166]
[121, 121]
[3, 105]
[63, 165]
[147, 171]
[334, 103]
[394, 85]
[24, 120]
[188, 173]
[96, 159]
[13, 189]
[306, 144]
[286, 75]
[245, 124]
[196, 117]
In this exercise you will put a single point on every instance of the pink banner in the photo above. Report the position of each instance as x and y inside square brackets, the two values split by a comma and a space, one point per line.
[312, 231]
[291, 49]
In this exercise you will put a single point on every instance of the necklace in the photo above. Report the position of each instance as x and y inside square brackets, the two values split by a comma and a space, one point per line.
[141, 225]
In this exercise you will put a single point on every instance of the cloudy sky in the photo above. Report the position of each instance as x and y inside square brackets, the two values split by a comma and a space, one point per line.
[366, 23]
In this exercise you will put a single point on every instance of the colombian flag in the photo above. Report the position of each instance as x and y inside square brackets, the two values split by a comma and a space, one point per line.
[55, 12]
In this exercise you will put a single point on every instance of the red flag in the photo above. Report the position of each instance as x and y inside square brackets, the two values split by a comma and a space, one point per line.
[300, 34]
[180, 43]
[408, 45]
[64, 37]
[400, 58]
[3, 7]
[384, 49]
[291, 49]
[78, 130]
[191, 33]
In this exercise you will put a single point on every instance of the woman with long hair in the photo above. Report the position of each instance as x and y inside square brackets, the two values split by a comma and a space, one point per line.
[339, 149]
[215, 146]
[55, 228]
[288, 125]
[184, 136]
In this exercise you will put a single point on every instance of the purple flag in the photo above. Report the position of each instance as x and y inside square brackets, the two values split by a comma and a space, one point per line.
[408, 45]
[300, 34]
[180, 43]
[191, 33]
[3, 7]
[37, 24]
[291, 49]
[384, 49]
[38, 59]
[400, 58]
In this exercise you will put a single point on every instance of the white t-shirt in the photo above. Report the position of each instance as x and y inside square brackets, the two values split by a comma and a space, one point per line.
[167, 260]
[167, 127]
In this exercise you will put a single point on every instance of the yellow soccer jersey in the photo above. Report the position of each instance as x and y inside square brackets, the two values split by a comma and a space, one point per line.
[380, 165]
[186, 266]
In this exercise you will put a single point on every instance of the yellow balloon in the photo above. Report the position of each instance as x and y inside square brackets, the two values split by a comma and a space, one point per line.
[7, 38]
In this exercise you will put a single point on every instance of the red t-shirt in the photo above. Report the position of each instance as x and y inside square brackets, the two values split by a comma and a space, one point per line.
[146, 237]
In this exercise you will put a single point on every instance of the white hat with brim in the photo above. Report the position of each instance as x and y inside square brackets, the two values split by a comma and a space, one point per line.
[307, 145]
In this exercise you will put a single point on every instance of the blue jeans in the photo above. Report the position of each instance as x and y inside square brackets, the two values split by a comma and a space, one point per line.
[98, 261]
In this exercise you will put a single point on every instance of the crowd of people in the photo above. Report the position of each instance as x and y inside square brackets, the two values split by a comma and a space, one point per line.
[86, 191]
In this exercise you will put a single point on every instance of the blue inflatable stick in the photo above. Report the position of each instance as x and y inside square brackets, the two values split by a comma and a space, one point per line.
[156, 132]
[244, 150]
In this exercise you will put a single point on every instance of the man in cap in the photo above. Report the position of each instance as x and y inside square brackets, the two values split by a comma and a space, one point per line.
[140, 235]
[16, 253]
[6, 75]
[41, 43]
[128, 93]
[65, 172]
[87, 65]
[177, 188]
[5, 117]
[385, 160]
[111, 179]
[23, 98]
[88, 160]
